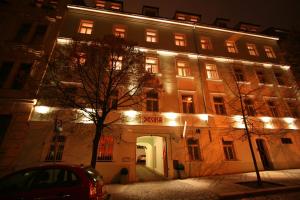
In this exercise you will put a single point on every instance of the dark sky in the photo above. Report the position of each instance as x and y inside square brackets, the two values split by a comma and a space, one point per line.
[267, 13]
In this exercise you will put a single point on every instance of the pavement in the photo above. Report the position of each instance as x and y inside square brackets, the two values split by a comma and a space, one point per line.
[210, 187]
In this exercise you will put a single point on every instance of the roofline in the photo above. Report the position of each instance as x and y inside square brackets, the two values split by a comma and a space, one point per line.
[136, 16]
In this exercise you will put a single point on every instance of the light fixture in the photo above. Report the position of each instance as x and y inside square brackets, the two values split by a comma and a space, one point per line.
[203, 117]
[42, 109]
[130, 113]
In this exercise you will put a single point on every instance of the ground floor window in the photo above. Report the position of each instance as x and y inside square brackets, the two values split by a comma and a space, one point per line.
[193, 149]
[56, 149]
[229, 150]
[105, 148]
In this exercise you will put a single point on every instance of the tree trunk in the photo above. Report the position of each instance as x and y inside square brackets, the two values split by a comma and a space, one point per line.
[98, 133]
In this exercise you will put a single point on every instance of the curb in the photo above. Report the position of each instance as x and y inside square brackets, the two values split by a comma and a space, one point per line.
[258, 192]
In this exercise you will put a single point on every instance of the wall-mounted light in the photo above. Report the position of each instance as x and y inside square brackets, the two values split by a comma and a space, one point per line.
[131, 113]
[203, 117]
[42, 109]
[166, 53]
[170, 115]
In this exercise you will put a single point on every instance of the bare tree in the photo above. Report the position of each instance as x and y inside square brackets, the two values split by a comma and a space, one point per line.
[97, 78]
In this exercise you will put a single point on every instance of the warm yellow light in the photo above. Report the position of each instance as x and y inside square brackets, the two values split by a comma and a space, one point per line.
[223, 60]
[289, 120]
[170, 115]
[239, 122]
[172, 123]
[203, 117]
[42, 109]
[285, 67]
[64, 40]
[130, 113]
[267, 65]
[192, 56]
[166, 53]
[247, 62]
[265, 119]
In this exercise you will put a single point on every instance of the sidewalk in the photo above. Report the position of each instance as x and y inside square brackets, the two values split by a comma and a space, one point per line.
[212, 187]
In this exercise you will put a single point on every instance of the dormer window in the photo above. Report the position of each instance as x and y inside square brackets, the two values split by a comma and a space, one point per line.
[100, 4]
[115, 6]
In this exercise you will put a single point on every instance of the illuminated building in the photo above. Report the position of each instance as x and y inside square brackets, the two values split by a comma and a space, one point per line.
[193, 121]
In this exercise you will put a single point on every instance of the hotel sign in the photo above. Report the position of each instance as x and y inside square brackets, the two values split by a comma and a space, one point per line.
[152, 119]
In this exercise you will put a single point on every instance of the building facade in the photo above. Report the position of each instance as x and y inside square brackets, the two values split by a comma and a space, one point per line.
[206, 72]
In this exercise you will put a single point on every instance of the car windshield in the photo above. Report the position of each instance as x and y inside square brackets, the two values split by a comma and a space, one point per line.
[93, 175]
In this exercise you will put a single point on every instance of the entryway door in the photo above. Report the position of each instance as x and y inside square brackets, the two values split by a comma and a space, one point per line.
[264, 154]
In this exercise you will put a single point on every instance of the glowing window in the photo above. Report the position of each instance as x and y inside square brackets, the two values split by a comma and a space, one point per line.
[100, 4]
[211, 71]
[269, 52]
[219, 105]
[119, 32]
[180, 17]
[252, 49]
[183, 69]
[115, 6]
[205, 43]
[188, 104]
[194, 19]
[231, 47]
[116, 62]
[86, 27]
[180, 40]
[151, 35]
[151, 64]
[105, 149]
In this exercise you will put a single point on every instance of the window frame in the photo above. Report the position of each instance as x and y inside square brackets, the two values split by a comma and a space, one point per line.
[252, 50]
[206, 45]
[250, 108]
[118, 33]
[273, 108]
[86, 27]
[153, 38]
[212, 73]
[231, 46]
[154, 65]
[269, 52]
[180, 42]
[229, 150]
[219, 107]
[239, 74]
[186, 104]
[183, 70]
[193, 148]
[153, 101]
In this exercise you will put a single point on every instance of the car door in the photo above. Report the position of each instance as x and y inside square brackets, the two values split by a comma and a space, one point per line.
[54, 184]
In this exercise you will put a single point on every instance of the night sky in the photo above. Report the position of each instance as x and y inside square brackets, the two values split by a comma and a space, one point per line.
[267, 13]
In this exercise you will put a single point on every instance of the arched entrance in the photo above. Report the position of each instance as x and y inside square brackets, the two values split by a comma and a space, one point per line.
[151, 158]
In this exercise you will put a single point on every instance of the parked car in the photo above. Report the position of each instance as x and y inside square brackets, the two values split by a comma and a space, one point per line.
[52, 182]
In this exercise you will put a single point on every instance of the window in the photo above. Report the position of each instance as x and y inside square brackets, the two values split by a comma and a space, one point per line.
[56, 148]
[187, 104]
[152, 101]
[279, 77]
[119, 32]
[100, 4]
[273, 108]
[180, 40]
[151, 64]
[22, 76]
[286, 141]
[205, 43]
[261, 77]
[86, 27]
[239, 75]
[115, 6]
[151, 35]
[249, 107]
[4, 124]
[219, 105]
[193, 149]
[252, 49]
[180, 17]
[39, 34]
[5, 70]
[194, 19]
[269, 52]
[105, 149]
[22, 32]
[183, 69]
[116, 62]
[231, 48]
[228, 150]
[211, 71]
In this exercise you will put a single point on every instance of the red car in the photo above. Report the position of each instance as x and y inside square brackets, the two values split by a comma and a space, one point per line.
[51, 182]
